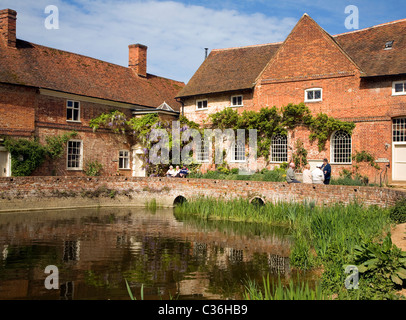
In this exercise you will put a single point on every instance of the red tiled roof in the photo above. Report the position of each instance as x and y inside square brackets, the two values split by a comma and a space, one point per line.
[43, 67]
[238, 68]
[366, 48]
[230, 69]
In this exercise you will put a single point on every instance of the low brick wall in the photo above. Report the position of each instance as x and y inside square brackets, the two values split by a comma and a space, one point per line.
[35, 193]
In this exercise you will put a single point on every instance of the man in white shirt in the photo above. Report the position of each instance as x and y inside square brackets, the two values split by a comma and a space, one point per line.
[318, 175]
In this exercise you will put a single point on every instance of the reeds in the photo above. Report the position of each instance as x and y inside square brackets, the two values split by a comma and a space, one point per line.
[278, 291]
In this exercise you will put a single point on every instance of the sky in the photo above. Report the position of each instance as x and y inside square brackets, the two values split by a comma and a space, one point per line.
[176, 32]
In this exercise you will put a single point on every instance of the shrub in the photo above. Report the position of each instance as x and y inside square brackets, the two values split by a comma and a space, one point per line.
[398, 212]
[93, 168]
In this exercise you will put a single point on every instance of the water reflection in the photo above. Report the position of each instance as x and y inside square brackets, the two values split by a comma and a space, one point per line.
[95, 250]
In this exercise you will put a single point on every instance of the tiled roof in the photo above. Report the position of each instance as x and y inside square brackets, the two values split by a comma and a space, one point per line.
[230, 69]
[43, 67]
[238, 68]
[366, 48]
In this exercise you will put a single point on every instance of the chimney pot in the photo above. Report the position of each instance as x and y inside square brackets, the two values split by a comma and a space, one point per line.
[138, 59]
[8, 21]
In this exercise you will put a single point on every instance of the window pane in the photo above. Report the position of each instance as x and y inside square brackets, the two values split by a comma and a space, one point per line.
[76, 115]
[279, 148]
[310, 95]
[69, 114]
[342, 147]
[70, 103]
[399, 87]
[317, 94]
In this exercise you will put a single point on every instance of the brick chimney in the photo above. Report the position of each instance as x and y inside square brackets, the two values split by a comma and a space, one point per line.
[138, 59]
[8, 19]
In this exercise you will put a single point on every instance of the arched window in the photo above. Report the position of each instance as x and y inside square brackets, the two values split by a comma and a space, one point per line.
[279, 148]
[238, 152]
[341, 147]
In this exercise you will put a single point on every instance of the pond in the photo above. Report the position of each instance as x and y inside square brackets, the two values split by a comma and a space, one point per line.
[172, 257]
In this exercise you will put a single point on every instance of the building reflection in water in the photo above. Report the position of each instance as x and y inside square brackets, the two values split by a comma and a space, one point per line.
[95, 250]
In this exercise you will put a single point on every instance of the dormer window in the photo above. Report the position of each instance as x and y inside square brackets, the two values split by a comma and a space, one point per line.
[313, 95]
[389, 45]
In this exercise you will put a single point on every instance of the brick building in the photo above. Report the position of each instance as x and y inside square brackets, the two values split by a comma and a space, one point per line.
[359, 76]
[45, 92]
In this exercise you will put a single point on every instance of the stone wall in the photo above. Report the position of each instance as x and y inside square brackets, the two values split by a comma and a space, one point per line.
[28, 193]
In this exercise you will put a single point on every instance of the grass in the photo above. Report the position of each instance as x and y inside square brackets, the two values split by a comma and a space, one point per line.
[324, 236]
[278, 291]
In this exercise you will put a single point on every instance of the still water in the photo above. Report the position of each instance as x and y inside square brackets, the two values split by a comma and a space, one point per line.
[172, 257]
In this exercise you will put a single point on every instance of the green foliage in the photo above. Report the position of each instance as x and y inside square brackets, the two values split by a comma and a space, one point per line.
[93, 168]
[300, 155]
[114, 120]
[381, 262]
[296, 115]
[223, 173]
[55, 145]
[29, 154]
[278, 291]
[322, 127]
[271, 121]
[225, 119]
[398, 212]
[26, 155]
[364, 156]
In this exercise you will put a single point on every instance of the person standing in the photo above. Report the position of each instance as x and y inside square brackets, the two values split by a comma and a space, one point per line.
[307, 175]
[318, 175]
[327, 171]
[290, 174]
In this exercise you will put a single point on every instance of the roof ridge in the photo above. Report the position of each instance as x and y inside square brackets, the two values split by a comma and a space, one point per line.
[250, 46]
[372, 27]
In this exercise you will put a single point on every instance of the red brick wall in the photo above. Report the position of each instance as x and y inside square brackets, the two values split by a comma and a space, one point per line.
[70, 191]
[309, 58]
[17, 110]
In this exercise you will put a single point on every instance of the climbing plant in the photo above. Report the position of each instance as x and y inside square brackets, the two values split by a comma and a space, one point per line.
[300, 155]
[139, 129]
[271, 121]
[29, 154]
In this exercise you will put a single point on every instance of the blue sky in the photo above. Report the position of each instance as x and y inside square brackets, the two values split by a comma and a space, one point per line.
[176, 32]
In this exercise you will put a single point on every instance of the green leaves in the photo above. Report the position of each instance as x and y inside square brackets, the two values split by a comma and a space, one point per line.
[379, 261]
[28, 155]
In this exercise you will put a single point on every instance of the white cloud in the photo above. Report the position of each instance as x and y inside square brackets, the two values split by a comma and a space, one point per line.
[175, 33]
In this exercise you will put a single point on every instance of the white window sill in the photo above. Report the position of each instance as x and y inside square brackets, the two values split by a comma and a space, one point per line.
[241, 161]
[398, 94]
[236, 106]
[73, 121]
[311, 101]
[202, 109]
[341, 163]
[74, 169]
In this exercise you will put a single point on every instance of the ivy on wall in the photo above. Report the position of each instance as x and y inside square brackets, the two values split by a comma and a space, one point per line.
[268, 122]
[28, 155]
[271, 121]
[139, 130]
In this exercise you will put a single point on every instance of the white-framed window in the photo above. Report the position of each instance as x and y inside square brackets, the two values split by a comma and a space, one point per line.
[399, 88]
[279, 148]
[201, 104]
[202, 155]
[75, 155]
[237, 152]
[399, 130]
[237, 101]
[124, 159]
[73, 111]
[341, 148]
[314, 95]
